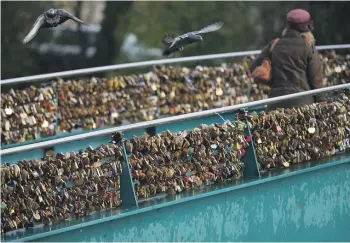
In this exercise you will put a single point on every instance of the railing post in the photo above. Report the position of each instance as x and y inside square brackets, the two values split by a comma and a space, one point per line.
[127, 189]
[251, 168]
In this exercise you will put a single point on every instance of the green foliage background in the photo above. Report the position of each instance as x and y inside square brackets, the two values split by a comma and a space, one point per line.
[248, 25]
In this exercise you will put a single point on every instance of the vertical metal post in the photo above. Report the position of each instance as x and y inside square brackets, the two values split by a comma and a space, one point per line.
[250, 161]
[127, 190]
[151, 131]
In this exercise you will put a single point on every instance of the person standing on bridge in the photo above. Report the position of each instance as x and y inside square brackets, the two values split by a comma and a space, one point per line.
[294, 61]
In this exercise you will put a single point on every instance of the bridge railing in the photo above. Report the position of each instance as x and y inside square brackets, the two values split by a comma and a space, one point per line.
[169, 120]
[85, 71]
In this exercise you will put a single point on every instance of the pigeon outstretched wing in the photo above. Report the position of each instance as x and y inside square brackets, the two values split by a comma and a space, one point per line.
[35, 29]
[209, 28]
[181, 37]
[168, 40]
[66, 15]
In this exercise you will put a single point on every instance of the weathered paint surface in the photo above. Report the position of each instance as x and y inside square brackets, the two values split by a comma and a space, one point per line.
[66, 147]
[313, 206]
[97, 141]
[307, 207]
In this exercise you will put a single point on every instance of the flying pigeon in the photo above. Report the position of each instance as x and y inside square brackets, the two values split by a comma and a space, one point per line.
[177, 43]
[50, 19]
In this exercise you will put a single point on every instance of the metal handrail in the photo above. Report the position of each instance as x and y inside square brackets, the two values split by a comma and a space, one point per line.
[168, 120]
[84, 71]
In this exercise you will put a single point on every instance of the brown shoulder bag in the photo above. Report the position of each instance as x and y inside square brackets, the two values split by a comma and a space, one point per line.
[264, 71]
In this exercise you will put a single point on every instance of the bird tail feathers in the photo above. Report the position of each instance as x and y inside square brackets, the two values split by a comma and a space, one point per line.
[168, 52]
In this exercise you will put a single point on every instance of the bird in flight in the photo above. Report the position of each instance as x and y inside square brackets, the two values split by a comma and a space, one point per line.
[50, 19]
[176, 44]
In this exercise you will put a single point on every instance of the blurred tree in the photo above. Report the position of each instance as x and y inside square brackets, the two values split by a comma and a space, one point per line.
[154, 19]
[247, 25]
[81, 35]
[330, 20]
[116, 16]
[17, 19]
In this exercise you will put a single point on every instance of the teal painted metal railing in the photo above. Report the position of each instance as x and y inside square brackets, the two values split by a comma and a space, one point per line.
[309, 204]
[267, 206]
[43, 77]
[136, 220]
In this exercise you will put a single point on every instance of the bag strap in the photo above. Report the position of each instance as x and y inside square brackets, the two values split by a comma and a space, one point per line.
[272, 46]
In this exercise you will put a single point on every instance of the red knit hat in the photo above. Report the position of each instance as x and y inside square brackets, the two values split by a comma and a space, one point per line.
[300, 20]
[298, 16]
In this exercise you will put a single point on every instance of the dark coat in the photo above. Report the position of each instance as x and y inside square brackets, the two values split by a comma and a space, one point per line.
[296, 67]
